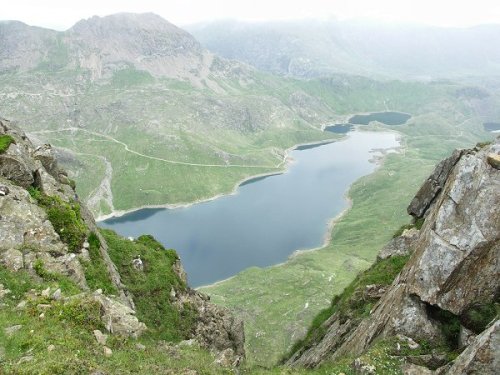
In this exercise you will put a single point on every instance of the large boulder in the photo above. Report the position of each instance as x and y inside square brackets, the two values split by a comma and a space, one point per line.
[16, 170]
[118, 318]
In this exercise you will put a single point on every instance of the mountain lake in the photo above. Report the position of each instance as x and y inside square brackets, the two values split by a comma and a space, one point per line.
[267, 219]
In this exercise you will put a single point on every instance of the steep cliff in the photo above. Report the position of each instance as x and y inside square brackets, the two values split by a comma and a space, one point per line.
[57, 267]
[444, 302]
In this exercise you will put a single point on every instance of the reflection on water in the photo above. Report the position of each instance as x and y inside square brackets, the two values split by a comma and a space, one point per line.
[268, 219]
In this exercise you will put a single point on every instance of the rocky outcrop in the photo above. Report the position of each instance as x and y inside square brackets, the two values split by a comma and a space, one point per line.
[216, 328]
[30, 241]
[433, 185]
[118, 318]
[455, 265]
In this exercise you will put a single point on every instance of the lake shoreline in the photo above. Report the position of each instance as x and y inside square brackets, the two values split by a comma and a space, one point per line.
[281, 169]
[379, 161]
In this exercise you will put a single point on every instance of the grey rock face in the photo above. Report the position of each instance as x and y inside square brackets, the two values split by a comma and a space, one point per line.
[15, 169]
[433, 185]
[462, 244]
[455, 264]
[482, 356]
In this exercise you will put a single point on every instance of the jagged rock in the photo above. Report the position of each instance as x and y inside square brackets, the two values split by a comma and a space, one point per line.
[86, 245]
[56, 296]
[463, 242]
[23, 224]
[454, 265]
[107, 352]
[466, 337]
[12, 259]
[140, 347]
[9, 331]
[3, 291]
[4, 190]
[137, 264]
[179, 271]
[46, 292]
[412, 369]
[226, 358]
[401, 245]
[433, 185]
[118, 318]
[494, 160]
[336, 333]
[51, 348]
[45, 155]
[100, 337]
[21, 305]
[482, 356]
[15, 169]
[49, 186]
[374, 291]
[363, 368]
[217, 329]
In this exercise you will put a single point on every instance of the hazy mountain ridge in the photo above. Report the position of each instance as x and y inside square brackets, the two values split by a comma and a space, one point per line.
[318, 48]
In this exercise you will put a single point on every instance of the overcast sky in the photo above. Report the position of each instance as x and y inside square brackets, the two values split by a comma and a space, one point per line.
[62, 14]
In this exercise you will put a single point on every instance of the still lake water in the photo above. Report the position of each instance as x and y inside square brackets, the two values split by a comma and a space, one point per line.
[388, 118]
[267, 219]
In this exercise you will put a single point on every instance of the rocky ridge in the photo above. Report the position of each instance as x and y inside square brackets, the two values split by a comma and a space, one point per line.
[46, 231]
[452, 273]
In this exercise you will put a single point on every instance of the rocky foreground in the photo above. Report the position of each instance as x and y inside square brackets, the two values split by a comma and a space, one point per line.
[446, 296]
[49, 235]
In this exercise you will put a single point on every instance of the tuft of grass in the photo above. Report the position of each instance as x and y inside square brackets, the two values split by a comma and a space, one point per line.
[152, 286]
[96, 272]
[5, 142]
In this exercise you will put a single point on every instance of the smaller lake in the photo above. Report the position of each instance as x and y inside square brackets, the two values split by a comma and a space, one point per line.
[268, 218]
[492, 126]
[387, 118]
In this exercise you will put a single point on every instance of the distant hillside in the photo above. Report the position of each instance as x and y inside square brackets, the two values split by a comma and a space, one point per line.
[131, 99]
[318, 48]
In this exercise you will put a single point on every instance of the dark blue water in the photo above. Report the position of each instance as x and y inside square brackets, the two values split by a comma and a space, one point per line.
[387, 118]
[268, 219]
